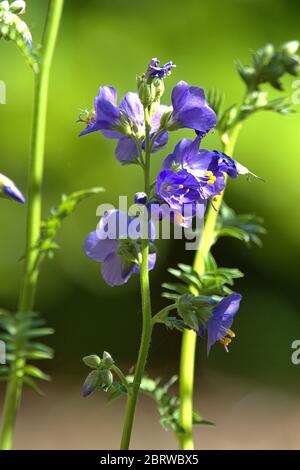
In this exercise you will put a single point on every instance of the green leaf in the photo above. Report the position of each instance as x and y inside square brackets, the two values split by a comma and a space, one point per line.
[4, 370]
[33, 385]
[38, 355]
[246, 227]
[38, 332]
[198, 419]
[50, 227]
[36, 372]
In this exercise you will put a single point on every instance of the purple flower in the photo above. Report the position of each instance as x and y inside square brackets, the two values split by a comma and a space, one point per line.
[140, 198]
[207, 166]
[180, 190]
[218, 326]
[124, 122]
[10, 190]
[177, 188]
[114, 245]
[155, 71]
[107, 114]
[191, 110]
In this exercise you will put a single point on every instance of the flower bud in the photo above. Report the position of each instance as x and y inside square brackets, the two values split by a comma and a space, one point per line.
[90, 383]
[107, 360]
[105, 379]
[159, 89]
[147, 93]
[92, 361]
[18, 7]
[290, 47]
[4, 6]
[140, 198]
[166, 118]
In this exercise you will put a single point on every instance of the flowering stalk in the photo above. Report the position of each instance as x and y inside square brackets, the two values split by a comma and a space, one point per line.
[26, 301]
[146, 310]
[269, 66]
[189, 340]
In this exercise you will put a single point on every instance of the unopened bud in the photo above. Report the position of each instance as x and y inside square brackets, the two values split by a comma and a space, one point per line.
[18, 7]
[107, 360]
[290, 47]
[92, 361]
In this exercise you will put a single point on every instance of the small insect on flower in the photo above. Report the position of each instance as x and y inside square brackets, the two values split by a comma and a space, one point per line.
[8, 189]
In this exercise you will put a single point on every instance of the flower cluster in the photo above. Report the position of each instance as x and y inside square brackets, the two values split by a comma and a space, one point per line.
[13, 28]
[190, 179]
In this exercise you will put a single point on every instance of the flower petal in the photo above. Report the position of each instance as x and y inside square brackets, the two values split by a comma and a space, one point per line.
[126, 150]
[99, 249]
[112, 271]
[179, 95]
[132, 107]
[156, 117]
[178, 155]
[106, 108]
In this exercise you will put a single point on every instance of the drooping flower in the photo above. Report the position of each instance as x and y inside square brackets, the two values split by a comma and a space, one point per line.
[156, 71]
[124, 122]
[190, 109]
[10, 190]
[222, 315]
[116, 247]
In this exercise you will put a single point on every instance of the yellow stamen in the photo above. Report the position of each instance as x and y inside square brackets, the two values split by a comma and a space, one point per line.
[231, 333]
[211, 177]
[178, 218]
[187, 190]
[181, 186]
[225, 341]
[168, 187]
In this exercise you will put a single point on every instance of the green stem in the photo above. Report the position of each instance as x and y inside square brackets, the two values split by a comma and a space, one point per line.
[189, 340]
[146, 311]
[121, 376]
[26, 301]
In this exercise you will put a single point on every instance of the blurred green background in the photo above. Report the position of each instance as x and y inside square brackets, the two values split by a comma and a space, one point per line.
[109, 42]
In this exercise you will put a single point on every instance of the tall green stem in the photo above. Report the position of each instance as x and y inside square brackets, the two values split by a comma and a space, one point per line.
[189, 340]
[146, 311]
[27, 295]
